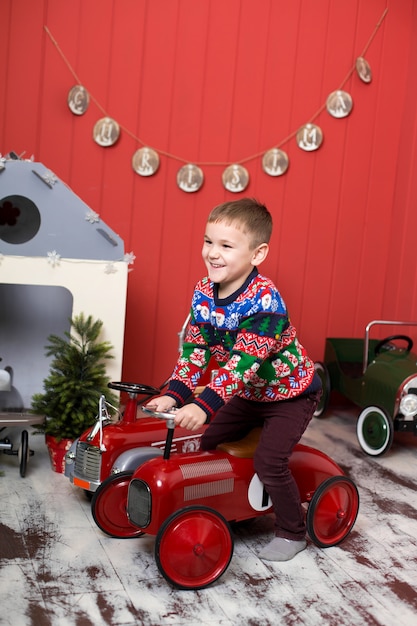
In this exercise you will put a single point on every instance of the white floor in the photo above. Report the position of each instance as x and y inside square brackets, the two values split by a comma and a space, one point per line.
[57, 568]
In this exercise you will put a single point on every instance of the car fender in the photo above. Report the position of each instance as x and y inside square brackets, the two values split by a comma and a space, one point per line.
[310, 467]
[132, 459]
[69, 460]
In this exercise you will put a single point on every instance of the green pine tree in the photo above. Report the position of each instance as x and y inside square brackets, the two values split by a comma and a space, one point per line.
[76, 380]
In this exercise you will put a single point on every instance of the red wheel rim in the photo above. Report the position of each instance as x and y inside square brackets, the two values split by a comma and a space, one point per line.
[109, 504]
[332, 511]
[194, 547]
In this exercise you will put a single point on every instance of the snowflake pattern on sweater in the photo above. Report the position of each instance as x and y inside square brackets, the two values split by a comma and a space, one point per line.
[250, 336]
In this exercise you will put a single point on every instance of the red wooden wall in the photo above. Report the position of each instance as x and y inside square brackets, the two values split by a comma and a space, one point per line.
[214, 82]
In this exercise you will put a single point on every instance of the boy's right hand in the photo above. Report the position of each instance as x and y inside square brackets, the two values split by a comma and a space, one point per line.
[161, 404]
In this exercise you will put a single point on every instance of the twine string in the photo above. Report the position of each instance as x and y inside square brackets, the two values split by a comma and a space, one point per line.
[210, 163]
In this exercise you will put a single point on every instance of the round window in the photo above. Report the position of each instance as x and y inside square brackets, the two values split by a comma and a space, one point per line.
[20, 219]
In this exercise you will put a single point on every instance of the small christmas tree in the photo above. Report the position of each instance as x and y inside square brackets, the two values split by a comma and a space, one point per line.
[76, 380]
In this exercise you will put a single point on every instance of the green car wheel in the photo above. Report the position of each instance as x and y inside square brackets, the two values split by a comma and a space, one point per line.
[375, 431]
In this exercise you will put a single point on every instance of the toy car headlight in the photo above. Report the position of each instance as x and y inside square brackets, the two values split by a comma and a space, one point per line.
[70, 457]
[139, 503]
[408, 405]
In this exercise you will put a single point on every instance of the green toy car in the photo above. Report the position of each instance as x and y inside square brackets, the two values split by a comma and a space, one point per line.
[380, 377]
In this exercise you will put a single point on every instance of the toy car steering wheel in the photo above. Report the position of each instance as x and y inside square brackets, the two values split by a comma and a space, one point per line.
[387, 340]
[134, 388]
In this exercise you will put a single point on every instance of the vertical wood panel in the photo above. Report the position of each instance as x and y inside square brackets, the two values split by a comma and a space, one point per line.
[400, 295]
[293, 259]
[58, 127]
[24, 69]
[326, 195]
[6, 12]
[378, 192]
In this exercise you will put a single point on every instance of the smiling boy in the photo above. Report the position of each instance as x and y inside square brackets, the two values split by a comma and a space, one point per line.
[265, 377]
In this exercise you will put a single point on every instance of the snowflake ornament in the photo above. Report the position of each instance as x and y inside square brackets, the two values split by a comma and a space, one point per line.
[110, 268]
[50, 178]
[129, 258]
[54, 258]
[92, 217]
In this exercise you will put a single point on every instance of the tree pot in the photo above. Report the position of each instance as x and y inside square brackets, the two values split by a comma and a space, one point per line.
[57, 451]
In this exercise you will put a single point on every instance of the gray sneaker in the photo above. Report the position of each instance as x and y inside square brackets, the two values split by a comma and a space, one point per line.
[280, 549]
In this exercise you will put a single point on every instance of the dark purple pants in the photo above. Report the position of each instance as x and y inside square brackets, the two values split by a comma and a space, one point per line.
[283, 425]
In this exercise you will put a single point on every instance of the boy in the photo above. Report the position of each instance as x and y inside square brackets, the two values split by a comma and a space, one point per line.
[265, 377]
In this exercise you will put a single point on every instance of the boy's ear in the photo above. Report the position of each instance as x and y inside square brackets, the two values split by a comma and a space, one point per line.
[260, 253]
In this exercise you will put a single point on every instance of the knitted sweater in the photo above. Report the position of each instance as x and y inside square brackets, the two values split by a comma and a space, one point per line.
[250, 336]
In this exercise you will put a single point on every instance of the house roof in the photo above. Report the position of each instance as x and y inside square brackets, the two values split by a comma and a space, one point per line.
[40, 214]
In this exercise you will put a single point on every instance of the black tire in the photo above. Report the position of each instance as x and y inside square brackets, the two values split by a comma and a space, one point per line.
[332, 511]
[23, 453]
[323, 404]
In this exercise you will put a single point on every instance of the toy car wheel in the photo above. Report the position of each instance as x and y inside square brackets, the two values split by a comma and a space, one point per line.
[193, 547]
[375, 431]
[23, 452]
[109, 507]
[332, 511]
[323, 372]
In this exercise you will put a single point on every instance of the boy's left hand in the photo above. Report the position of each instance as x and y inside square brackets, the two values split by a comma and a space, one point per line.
[190, 416]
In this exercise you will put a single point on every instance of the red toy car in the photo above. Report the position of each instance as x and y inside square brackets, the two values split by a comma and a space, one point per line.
[103, 459]
[188, 500]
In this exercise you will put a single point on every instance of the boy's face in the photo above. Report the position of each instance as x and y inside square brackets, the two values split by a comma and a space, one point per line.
[229, 256]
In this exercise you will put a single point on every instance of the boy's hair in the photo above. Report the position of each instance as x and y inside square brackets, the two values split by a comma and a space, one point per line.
[252, 216]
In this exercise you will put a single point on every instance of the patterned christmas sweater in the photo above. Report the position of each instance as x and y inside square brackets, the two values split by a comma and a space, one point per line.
[250, 336]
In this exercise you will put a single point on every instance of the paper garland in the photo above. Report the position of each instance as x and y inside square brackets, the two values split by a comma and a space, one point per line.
[190, 177]
[235, 177]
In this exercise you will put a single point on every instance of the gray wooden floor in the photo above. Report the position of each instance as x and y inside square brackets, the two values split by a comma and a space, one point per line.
[57, 567]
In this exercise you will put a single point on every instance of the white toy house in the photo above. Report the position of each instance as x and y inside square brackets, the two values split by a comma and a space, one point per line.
[57, 259]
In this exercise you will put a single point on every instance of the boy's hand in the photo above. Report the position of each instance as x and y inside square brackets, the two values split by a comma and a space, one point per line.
[161, 404]
[190, 416]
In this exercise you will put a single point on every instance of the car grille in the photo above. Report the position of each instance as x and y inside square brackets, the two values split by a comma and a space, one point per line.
[87, 462]
[139, 503]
